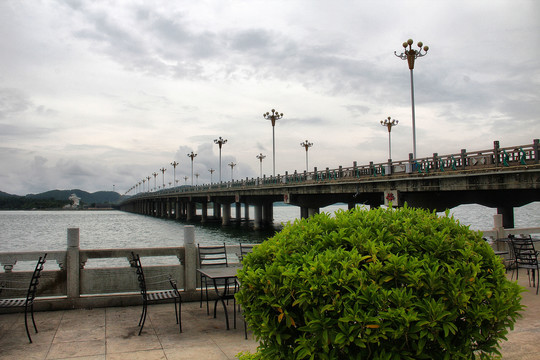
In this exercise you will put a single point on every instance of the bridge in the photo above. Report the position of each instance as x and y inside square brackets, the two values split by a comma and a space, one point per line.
[501, 178]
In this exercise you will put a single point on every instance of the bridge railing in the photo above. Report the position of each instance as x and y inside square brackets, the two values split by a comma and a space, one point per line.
[496, 157]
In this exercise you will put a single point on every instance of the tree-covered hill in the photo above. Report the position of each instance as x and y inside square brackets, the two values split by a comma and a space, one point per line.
[57, 199]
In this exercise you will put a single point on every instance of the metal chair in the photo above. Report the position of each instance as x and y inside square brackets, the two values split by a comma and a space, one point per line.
[526, 257]
[156, 296]
[27, 302]
[245, 249]
[210, 256]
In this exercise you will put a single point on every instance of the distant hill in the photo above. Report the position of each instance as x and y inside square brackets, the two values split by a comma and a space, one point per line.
[99, 197]
[57, 199]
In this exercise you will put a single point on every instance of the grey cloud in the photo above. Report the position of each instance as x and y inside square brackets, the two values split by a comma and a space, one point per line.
[13, 101]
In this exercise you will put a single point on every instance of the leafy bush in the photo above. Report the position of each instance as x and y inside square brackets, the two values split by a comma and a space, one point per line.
[377, 284]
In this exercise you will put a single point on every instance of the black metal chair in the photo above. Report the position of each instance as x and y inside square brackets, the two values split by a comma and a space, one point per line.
[526, 257]
[156, 296]
[210, 256]
[27, 302]
[245, 249]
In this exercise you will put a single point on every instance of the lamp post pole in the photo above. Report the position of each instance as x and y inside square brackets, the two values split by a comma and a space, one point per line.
[174, 164]
[389, 123]
[163, 175]
[185, 179]
[220, 141]
[306, 144]
[232, 165]
[192, 155]
[148, 178]
[260, 157]
[410, 55]
[211, 174]
[155, 175]
[273, 117]
[197, 176]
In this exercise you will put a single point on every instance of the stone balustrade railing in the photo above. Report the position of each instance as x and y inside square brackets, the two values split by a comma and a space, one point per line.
[69, 283]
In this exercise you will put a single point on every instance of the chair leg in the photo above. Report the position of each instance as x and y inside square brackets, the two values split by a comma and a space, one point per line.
[143, 318]
[180, 314]
[206, 292]
[175, 311]
[26, 323]
[201, 290]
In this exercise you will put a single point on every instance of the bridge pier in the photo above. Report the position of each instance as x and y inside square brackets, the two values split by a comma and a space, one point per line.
[226, 218]
[191, 210]
[238, 207]
[246, 211]
[268, 213]
[306, 212]
[257, 223]
[217, 210]
[204, 212]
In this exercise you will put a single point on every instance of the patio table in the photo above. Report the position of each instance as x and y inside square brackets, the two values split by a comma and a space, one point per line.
[228, 276]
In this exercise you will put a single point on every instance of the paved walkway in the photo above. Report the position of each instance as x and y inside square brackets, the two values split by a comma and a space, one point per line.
[111, 333]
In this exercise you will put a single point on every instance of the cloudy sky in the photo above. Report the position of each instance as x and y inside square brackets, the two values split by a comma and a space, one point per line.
[96, 94]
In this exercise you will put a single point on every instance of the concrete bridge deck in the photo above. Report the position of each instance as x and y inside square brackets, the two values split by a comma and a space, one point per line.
[111, 333]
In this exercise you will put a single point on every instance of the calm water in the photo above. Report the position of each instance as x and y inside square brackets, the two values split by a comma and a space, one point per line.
[47, 230]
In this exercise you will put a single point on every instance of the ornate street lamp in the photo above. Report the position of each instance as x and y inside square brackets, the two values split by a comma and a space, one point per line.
[273, 117]
[192, 155]
[389, 123]
[211, 174]
[174, 164]
[143, 181]
[155, 175]
[185, 179]
[148, 178]
[306, 144]
[410, 55]
[163, 175]
[260, 157]
[220, 142]
[232, 165]
[197, 177]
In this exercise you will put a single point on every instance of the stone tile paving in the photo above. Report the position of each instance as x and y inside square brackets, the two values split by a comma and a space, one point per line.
[111, 333]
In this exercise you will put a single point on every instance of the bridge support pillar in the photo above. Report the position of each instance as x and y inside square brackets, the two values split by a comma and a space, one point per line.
[238, 208]
[313, 211]
[217, 210]
[177, 209]
[190, 211]
[226, 219]
[351, 205]
[306, 212]
[246, 211]
[204, 212]
[507, 213]
[268, 213]
[257, 223]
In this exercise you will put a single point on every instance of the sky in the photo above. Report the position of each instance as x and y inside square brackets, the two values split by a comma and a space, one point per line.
[99, 95]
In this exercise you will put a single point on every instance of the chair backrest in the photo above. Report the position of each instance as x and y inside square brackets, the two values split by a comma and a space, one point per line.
[212, 255]
[136, 263]
[245, 249]
[524, 251]
[34, 282]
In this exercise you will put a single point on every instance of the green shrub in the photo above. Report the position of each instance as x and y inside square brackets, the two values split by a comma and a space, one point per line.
[377, 284]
